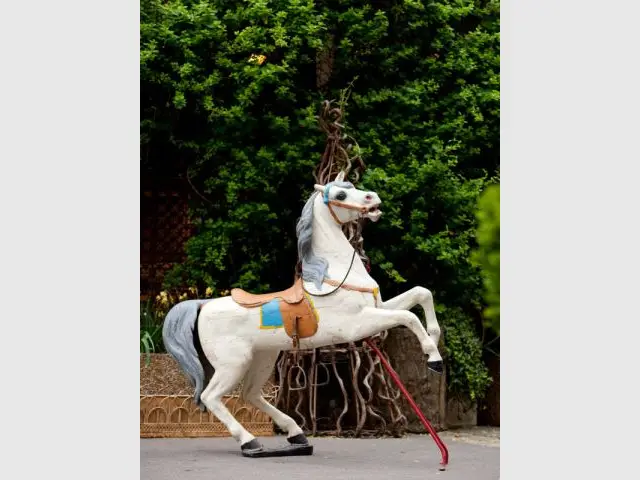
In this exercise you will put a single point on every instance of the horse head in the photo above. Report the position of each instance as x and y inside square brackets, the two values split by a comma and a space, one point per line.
[347, 203]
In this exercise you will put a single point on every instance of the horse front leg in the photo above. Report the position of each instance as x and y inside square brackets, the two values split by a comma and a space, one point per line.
[409, 299]
[372, 321]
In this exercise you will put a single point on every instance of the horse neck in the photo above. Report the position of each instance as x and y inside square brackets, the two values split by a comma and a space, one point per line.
[329, 241]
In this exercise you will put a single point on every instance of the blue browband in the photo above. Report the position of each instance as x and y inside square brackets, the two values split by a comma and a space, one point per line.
[325, 194]
[327, 187]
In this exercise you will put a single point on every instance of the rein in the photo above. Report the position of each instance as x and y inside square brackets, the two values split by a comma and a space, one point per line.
[339, 286]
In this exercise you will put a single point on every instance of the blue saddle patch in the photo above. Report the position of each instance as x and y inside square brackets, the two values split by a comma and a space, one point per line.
[270, 315]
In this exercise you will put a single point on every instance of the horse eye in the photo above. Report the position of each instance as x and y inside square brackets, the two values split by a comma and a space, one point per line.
[341, 196]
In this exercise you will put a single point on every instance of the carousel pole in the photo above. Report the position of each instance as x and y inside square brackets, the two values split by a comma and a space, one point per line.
[444, 452]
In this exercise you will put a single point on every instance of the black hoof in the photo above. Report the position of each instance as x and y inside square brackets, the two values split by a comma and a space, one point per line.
[299, 439]
[292, 450]
[436, 366]
[252, 446]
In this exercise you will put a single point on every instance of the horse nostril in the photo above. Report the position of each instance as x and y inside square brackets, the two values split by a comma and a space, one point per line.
[368, 197]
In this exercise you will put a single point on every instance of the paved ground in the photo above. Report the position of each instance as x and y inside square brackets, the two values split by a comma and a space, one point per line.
[474, 454]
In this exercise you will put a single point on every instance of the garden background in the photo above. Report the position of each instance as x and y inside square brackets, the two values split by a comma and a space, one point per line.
[237, 139]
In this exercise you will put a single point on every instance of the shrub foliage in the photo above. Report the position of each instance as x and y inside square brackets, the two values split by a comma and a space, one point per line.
[488, 253]
[424, 108]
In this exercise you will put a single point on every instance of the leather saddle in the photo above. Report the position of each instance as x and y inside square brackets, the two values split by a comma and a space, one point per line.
[299, 317]
[292, 295]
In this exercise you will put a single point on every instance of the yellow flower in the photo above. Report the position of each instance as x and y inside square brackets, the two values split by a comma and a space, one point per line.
[259, 59]
[208, 292]
[224, 293]
[183, 296]
[193, 290]
[163, 294]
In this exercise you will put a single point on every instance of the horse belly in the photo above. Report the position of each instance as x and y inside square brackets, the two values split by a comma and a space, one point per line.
[224, 318]
[336, 316]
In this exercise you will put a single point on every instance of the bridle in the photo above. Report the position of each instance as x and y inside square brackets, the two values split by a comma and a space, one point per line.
[349, 206]
[362, 209]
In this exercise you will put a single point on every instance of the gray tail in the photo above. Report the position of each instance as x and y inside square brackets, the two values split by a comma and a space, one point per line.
[180, 337]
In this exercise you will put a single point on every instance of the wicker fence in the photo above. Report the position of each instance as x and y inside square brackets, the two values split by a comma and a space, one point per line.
[175, 416]
[167, 408]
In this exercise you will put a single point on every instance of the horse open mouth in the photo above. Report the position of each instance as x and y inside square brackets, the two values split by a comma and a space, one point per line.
[374, 213]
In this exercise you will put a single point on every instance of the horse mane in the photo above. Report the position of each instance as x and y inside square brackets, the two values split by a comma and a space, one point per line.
[314, 267]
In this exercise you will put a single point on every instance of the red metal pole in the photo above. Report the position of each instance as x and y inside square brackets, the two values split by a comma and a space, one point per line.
[443, 448]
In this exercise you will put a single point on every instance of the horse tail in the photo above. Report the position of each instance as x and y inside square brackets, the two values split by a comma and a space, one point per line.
[180, 337]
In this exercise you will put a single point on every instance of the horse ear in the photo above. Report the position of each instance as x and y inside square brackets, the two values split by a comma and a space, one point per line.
[319, 188]
[340, 177]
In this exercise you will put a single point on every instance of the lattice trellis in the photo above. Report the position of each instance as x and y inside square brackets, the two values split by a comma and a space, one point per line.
[164, 229]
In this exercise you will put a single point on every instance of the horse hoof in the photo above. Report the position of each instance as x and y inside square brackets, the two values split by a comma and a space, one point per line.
[252, 446]
[299, 439]
[254, 449]
[436, 366]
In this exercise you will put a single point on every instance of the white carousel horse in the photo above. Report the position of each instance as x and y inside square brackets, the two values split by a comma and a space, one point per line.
[242, 335]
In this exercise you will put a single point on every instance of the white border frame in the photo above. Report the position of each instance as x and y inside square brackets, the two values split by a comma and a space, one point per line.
[69, 185]
[570, 239]
[70, 239]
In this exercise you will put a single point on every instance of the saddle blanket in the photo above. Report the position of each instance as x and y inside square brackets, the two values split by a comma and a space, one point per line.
[300, 318]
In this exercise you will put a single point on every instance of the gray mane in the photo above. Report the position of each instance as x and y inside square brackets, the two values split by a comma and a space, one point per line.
[314, 268]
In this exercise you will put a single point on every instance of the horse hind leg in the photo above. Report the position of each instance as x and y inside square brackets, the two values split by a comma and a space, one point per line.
[255, 379]
[204, 361]
[231, 366]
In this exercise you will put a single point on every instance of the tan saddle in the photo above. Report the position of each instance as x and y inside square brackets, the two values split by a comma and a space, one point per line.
[291, 295]
[299, 318]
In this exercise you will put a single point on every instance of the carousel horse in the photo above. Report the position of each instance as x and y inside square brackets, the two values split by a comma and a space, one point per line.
[224, 341]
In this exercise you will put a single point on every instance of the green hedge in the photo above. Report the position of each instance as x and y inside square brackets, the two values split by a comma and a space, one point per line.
[488, 253]
[424, 108]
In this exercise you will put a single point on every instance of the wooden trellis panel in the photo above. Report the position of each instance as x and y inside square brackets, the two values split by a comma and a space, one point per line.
[164, 229]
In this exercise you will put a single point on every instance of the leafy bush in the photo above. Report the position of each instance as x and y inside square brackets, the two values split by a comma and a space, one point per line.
[150, 329]
[466, 375]
[153, 312]
[424, 109]
[488, 253]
